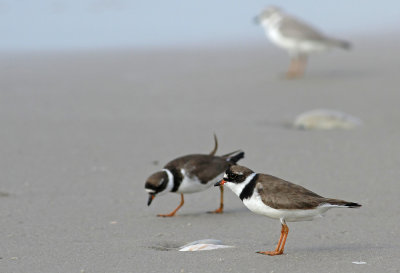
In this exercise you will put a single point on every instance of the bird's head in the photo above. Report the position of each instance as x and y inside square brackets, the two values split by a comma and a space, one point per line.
[268, 15]
[235, 175]
[156, 184]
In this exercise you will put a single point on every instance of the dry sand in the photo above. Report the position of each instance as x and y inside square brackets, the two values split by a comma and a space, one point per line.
[80, 133]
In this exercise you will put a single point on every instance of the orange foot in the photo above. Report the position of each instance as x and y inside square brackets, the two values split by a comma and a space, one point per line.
[220, 210]
[271, 253]
[166, 215]
[292, 75]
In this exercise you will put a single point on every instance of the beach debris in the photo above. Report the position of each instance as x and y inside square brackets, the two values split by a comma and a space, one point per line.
[205, 244]
[325, 119]
[360, 262]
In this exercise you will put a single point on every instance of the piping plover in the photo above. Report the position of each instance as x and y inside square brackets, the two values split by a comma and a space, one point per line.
[296, 36]
[279, 199]
[190, 174]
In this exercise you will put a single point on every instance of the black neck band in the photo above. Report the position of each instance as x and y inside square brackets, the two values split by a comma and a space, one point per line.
[248, 190]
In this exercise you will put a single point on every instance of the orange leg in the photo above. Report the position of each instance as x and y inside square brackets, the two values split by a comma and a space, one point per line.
[297, 67]
[221, 206]
[284, 239]
[302, 65]
[173, 213]
[281, 244]
[293, 67]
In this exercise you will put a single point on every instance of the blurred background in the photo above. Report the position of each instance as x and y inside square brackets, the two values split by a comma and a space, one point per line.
[95, 95]
[88, 24]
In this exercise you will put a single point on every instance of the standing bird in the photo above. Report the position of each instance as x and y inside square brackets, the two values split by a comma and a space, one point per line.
[297, 37]
[191, 173]
[279, 199]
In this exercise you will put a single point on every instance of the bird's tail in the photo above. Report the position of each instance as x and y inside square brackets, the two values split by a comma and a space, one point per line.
[215, 145]
[234, 157]
[340, 43]
[342, 203]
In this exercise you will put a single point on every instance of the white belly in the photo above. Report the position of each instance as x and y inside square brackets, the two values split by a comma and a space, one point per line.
[256, 205]
[294, 46]
[191, 185]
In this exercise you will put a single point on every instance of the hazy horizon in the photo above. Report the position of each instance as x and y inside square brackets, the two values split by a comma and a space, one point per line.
[91, 24]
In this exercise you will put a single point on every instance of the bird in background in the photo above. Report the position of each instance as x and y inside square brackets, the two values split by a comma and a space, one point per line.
[295, 36]
[190, 174]
[279, 199]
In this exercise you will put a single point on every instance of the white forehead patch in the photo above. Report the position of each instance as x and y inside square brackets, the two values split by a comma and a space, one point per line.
[150, 191]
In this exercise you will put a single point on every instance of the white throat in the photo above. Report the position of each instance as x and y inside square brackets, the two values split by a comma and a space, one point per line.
[170, 184]
[237, 188]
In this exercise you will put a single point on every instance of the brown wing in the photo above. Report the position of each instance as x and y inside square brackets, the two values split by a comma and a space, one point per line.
[294, 28]
[280, 194]
[205, 167]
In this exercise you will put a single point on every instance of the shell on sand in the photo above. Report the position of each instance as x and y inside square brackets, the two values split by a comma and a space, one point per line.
[323, 119]
[206, 244]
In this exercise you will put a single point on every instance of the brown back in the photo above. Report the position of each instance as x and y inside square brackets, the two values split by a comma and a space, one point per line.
[281, 194]
[205, 167]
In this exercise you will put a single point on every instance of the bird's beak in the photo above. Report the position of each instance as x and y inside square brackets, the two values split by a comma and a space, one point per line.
[220, 183]
[151, 197]
[256, 20]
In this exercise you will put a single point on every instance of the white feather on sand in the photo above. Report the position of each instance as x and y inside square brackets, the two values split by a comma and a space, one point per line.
[206, 244]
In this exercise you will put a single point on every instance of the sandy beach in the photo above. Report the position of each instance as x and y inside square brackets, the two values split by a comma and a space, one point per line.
[81, 131]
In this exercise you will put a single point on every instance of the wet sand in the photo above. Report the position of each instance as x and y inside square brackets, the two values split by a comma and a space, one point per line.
[81, 131]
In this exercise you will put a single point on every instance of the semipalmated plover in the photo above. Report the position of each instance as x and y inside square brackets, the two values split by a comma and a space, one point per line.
[191, 173]
[276, 198]
[296, 36]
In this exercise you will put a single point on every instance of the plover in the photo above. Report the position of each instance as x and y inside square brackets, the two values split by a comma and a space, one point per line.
[296, 36]
[279, 199]
[190, 174]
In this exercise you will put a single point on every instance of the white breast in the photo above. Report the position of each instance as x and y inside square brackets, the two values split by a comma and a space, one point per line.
[276, 37]
[193, 184]
[256, 205]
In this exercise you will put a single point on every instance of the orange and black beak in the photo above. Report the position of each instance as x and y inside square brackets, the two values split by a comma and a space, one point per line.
[151, 197]
[219, 183]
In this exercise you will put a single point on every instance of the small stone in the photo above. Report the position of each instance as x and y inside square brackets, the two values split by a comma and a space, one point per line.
[4, 194]
[325, 119]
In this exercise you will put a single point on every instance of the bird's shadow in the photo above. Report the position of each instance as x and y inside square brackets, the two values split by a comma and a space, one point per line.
[229, 211]
[346, 247]
[285, 125]
[328, 74]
